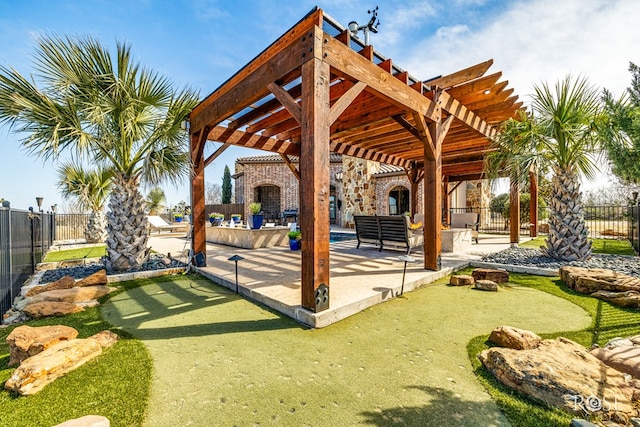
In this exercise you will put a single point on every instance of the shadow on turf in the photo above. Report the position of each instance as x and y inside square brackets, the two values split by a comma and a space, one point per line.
[444, 409]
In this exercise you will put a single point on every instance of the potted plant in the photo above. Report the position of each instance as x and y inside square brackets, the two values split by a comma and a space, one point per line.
[294, 240]
[236, 217]
[216, 218]
[177, 217]
[256, 217]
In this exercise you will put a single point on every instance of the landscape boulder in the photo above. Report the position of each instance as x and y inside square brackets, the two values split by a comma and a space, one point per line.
[38, 310]
[65, 282]
[623, 358]
[461, 280]
[487, 285]
[563, 374]
[86, 421]
[97, 278]
[510, 337]
[105, 338]
[37, 371]
[26, 341]
[495, 275]
[623, 299]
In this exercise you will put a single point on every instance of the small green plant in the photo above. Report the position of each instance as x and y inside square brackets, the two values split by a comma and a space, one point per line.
[255, 208]
[236, 217]
[294, 235]
[215, 215]
[178, 216]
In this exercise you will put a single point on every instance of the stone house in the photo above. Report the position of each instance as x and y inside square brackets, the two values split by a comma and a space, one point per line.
[358, 187]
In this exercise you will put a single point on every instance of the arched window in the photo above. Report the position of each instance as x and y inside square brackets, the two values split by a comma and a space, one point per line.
[398, 200]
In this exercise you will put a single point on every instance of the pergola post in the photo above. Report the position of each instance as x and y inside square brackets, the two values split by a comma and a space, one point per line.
[446, 200]
[432, 198]
[314, 183]
[198, 220]
[514, 211]
[533, 203]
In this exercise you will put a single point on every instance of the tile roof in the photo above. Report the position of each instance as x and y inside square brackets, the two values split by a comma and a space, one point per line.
[275, 158]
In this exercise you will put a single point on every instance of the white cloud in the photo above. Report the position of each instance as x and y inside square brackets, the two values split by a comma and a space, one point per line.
[541, 40]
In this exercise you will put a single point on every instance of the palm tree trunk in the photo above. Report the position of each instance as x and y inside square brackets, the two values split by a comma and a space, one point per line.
[127, 226]
[567, 230]
[96, 228]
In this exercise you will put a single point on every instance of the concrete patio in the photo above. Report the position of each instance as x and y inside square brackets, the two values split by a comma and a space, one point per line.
[360, 278]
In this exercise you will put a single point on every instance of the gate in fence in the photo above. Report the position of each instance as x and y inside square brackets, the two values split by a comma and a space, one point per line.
[25, 237]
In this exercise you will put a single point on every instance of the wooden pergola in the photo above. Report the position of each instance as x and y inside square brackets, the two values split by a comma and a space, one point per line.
[317, 90]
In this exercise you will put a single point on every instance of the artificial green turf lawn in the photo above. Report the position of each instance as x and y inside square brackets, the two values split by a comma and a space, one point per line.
[81, 253]
[115, 384]
[608, 321]
[221, 360]
[600, 246]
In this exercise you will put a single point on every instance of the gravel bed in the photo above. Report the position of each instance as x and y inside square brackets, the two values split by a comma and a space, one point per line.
[80, 272]
[533, 258]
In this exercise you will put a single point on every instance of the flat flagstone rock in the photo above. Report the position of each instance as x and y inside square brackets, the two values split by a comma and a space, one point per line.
[563, 374]
[623, 358]
[43, 368]
[105, 338]
[86, 421]
[495, 275]
[510, 337]
[75, 294]
[65, 282]
[623, 299]
[461, 280]
[590, 280]
[26, 341]
[38, 310]
[97, 278]
[486, 285]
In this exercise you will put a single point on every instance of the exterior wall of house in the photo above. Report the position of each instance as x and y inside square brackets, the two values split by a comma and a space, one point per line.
[275, 174]
[358, 189]
[384, 184]
[479, 195]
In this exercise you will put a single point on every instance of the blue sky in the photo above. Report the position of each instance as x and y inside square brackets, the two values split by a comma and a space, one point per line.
[201, 43]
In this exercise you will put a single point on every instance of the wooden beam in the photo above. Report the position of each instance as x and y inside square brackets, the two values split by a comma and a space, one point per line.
[286, 100]
[378, 156]
[345, 100]
[216, 154]
[341, 58]
[461, 76]
[291, 166]
[432, 199]
[452, 189]
[425, 136]
[249, 140]
[199, 237]
[314, 180]
[250, 84]
[446, 200]
[466, 116]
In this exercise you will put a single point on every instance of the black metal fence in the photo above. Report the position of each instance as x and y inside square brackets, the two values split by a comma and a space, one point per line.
[604, 222]
[24, 239]
[634, 227]
[71, 226]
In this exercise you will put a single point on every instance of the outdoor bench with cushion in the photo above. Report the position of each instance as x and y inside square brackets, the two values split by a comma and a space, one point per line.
[466, 220]
[387, 231]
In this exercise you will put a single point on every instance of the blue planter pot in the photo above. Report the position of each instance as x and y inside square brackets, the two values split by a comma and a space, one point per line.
[215, 221]
[177, 219]
[256, 221]
[294, 245]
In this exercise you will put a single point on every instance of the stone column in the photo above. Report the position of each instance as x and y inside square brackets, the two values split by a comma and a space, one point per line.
[358, 190]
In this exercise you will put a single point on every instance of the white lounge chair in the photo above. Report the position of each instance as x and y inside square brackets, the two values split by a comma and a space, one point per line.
[160, 224]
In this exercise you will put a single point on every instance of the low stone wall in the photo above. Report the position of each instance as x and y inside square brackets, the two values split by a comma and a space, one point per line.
[247, 238]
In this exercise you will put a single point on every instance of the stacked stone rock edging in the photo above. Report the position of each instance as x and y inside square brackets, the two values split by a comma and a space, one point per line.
[608, 285]
[61, 297]
[561, 373]
[51, 355]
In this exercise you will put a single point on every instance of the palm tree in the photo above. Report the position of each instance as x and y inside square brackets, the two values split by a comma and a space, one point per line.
[155, 200]
[560, 136]
[90, 188]
[111, 111]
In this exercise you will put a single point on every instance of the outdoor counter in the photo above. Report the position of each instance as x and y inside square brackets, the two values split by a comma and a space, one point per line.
[456, 239]
[247, 238]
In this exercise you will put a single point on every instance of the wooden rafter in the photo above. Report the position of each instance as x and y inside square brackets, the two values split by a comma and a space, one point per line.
[291, 166]
[216, 154]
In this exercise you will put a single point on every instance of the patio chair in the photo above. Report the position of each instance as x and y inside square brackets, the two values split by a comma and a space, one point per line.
[159, 224]
[467, 220]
